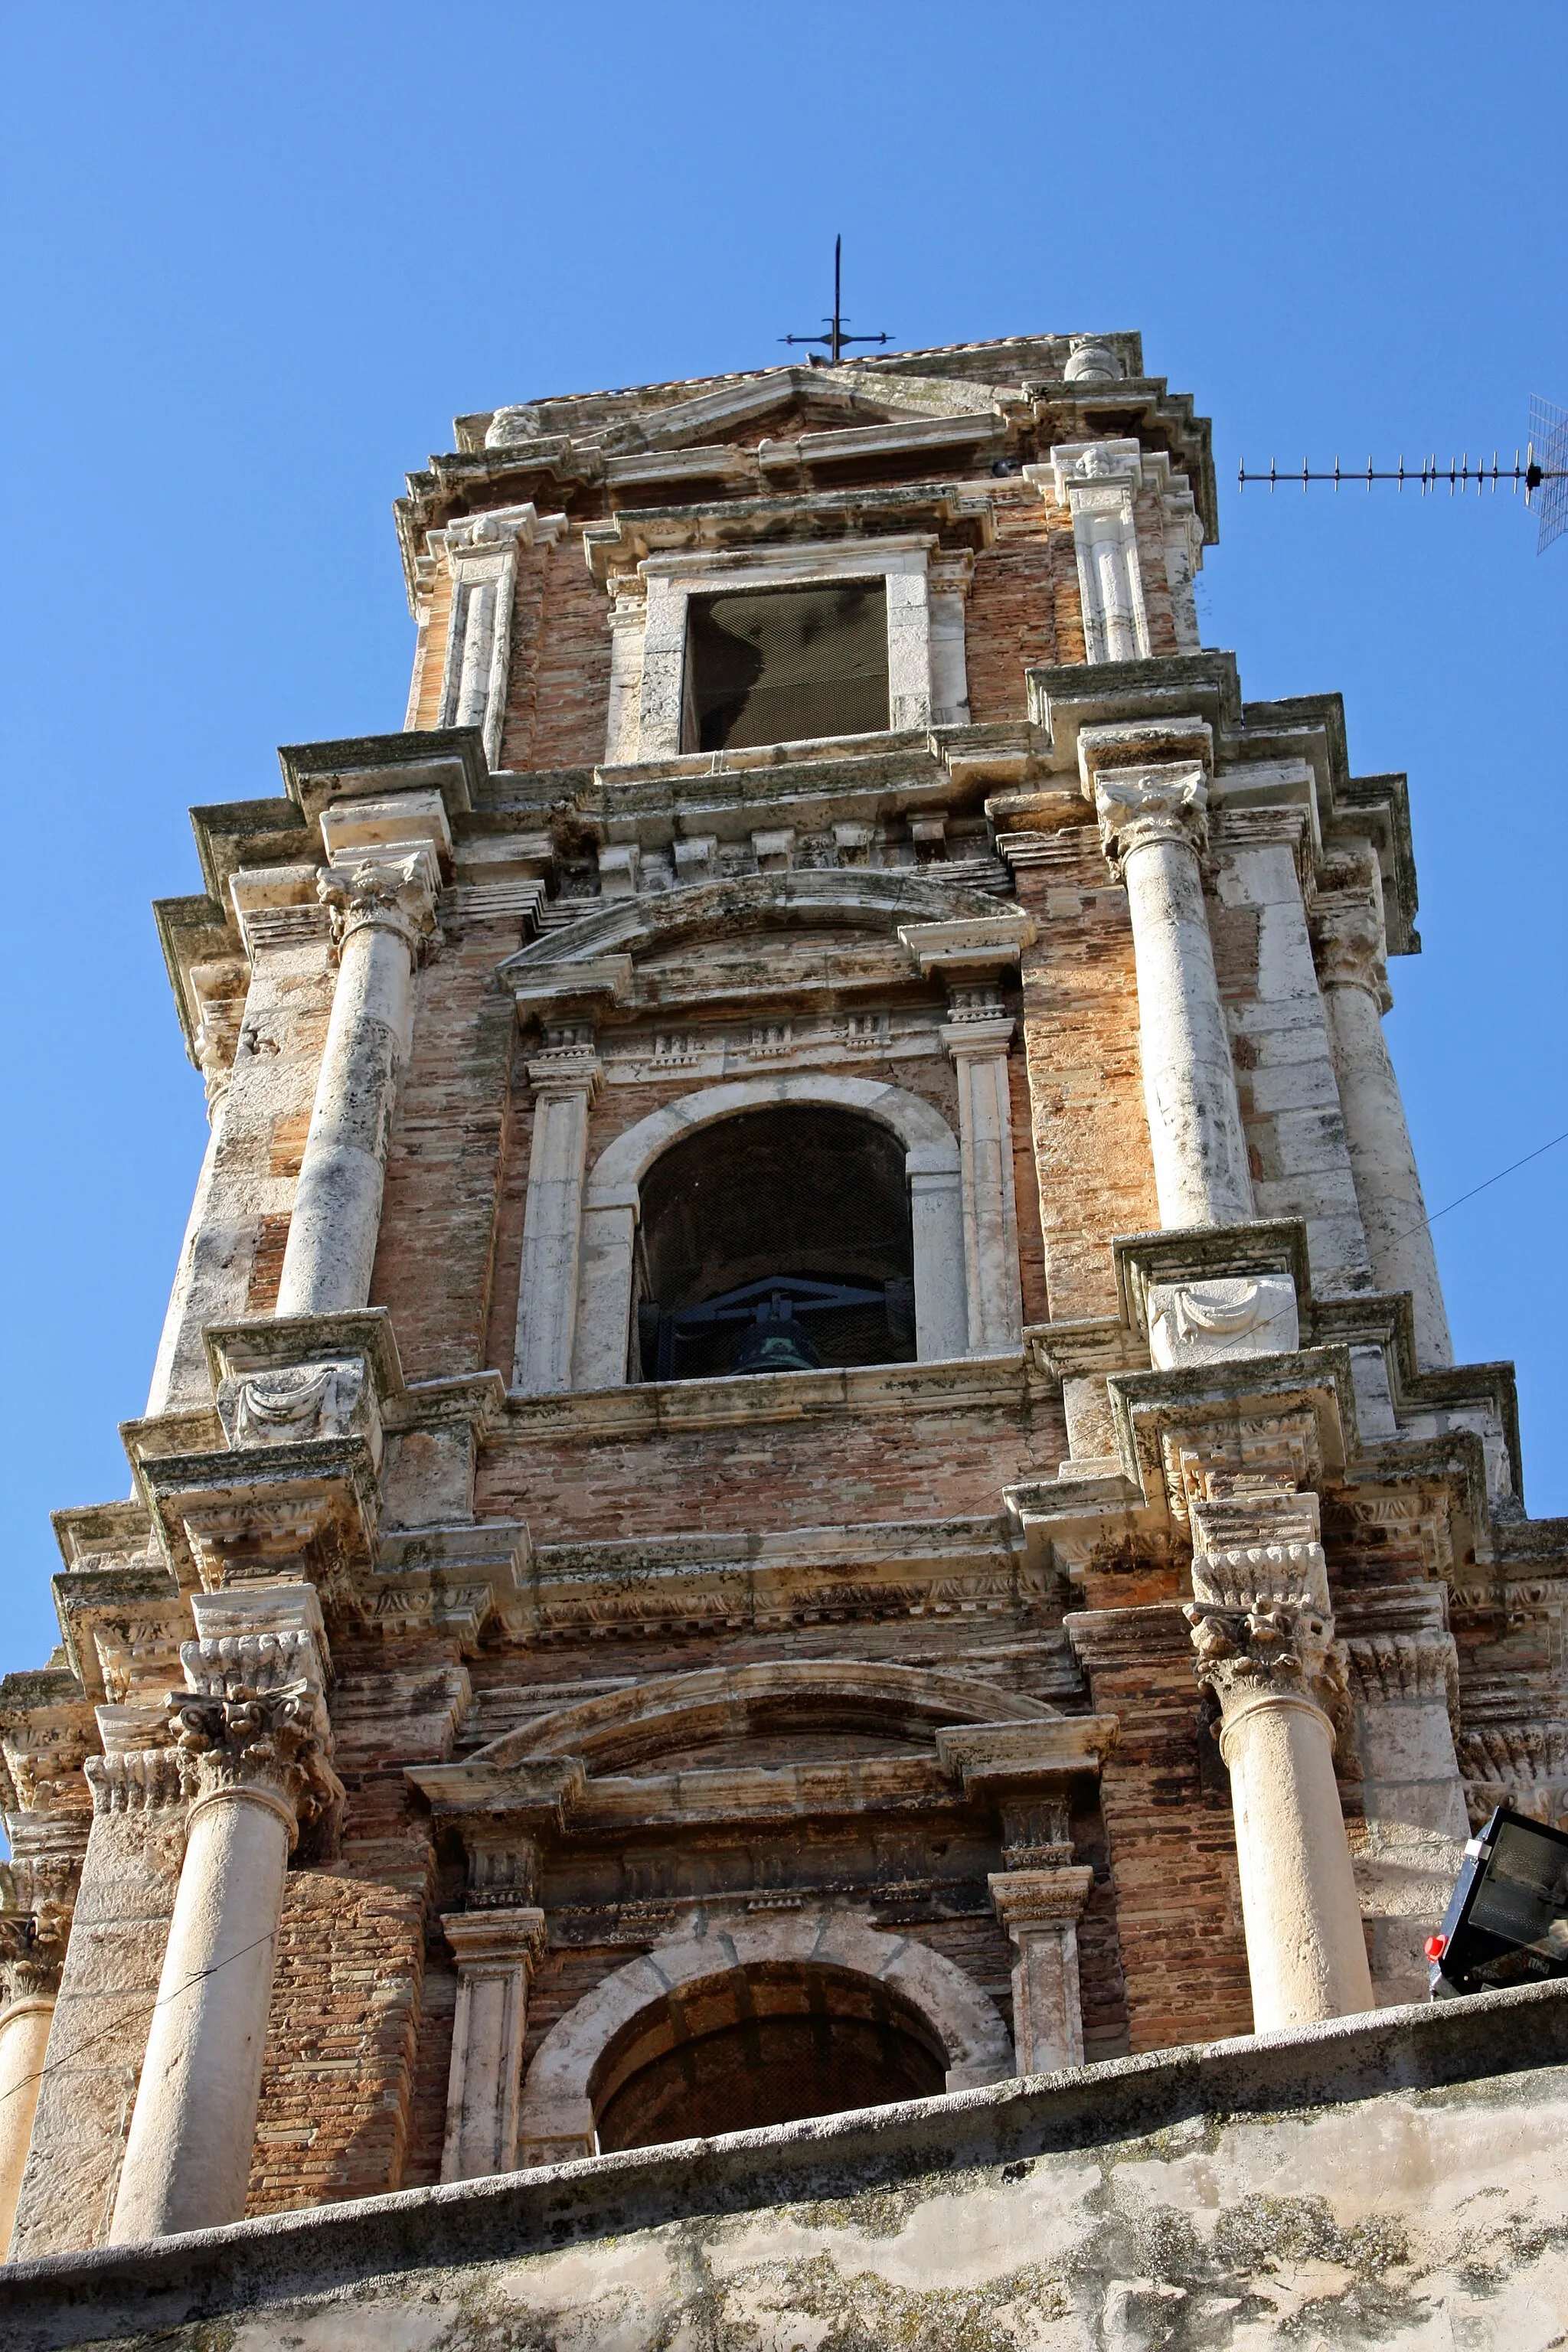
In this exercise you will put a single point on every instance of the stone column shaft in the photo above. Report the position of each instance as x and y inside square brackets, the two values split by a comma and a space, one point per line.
[1040, 1910]
[252, 1734]
[1264, 1635]
[23, 2037]
[565, 1079]
[187, 2160]
[496, 1952]
[1387, 1183]
[381, 911]
[1151, 824]
[977, 1040]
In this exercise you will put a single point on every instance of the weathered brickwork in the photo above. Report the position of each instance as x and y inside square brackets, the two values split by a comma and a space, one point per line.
[749, 1319]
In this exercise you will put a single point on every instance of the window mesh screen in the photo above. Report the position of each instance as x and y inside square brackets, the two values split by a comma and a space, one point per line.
[786, 664]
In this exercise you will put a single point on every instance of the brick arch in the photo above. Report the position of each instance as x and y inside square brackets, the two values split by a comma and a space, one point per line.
[709, 1973]
[611, 1202]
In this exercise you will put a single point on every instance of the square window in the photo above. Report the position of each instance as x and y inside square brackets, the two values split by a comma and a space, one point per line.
[780, 665]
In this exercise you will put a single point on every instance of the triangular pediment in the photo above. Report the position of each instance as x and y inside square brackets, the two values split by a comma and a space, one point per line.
[826, 396]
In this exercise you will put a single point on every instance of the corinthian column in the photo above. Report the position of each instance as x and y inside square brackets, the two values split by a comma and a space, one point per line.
[1348, 935]
[1265, 1641]
[382, 913]
[32, 1947]
[1152, 823]
[251, 1730]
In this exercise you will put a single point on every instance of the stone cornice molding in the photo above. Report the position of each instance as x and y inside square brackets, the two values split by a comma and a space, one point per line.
[976, 946]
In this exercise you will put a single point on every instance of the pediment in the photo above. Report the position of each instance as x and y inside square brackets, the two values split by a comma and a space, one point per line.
[599, 954]
[826, 398]
[885, 1708]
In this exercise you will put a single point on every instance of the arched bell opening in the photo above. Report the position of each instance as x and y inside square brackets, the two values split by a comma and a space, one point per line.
[775, 2043]
[776, 1240]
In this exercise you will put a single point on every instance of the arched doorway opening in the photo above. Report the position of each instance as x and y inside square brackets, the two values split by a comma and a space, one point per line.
[772, 2043]
[776, 1239]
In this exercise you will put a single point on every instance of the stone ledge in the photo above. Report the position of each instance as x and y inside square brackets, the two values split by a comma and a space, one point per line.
[119, 2292]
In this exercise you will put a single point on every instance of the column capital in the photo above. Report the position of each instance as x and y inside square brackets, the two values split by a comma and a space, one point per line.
[497, 1939]
[1352, 951]
[568, 1064]
[392, 889]
[32, 1952]
[1142, 807]
[1044, 1898]
[252, 1721]
[1261, 1622]
[976, 1027]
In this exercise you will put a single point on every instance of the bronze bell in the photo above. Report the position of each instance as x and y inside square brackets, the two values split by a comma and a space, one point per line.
[775, 1343]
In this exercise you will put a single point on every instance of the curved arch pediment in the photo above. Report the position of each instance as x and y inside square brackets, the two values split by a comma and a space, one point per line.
[851, 899]
[680, 1712]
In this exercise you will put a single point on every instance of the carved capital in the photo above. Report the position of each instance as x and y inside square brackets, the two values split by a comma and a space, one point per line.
[33, 1951]
[1141, 808]
[1351, 947]
[253, 1718]
[1261, 1623]
[568, 1065]
[137, 1781]
[1414, 1666]
[1035, 1899]
[489, 1941]
[395, 893]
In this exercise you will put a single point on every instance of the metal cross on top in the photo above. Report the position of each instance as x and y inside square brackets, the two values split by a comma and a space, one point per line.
[836, 339]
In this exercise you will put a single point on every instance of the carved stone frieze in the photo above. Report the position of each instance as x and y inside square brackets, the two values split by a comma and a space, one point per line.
[137, 1781]
[1522, 1765]
[1419, 1665]
[296, 1401]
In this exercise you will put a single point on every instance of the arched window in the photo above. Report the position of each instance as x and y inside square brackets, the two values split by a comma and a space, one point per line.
[776, 1239]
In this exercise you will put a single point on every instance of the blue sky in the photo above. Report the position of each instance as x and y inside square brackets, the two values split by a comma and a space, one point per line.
[256, 260]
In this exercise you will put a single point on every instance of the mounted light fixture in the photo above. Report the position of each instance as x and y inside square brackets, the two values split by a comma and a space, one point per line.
[1507, 1921]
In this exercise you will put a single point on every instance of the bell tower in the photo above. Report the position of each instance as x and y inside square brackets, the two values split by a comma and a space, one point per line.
[805, 1451]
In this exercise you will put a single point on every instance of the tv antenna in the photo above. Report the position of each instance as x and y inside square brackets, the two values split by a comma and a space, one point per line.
[1544, 470]
[836, 341]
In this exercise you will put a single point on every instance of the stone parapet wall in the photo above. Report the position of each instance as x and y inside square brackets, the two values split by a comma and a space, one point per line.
[1371, 2180]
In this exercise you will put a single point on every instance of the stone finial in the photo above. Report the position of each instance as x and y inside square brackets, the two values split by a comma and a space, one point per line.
[1090, 359]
